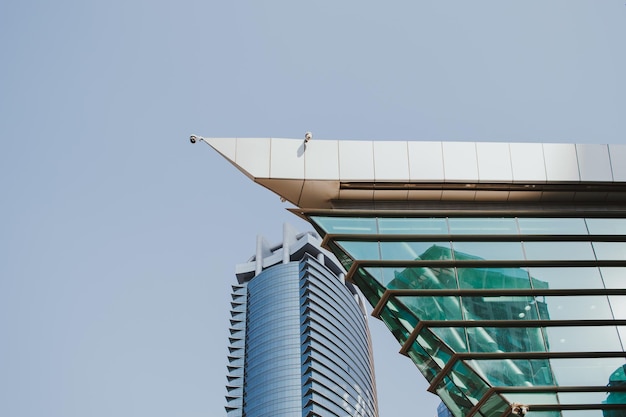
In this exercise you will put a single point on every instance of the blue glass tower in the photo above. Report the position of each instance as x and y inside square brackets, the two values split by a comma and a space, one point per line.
[299, 341]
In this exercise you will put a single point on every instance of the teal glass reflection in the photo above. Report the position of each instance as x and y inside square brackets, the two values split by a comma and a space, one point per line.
[346, 225]
[606, 226]
[413, 250]
[552, 226]
[418, 278]
[454, 337]
[412, 226]
[482, 226]
[499, 339]
[433, 308]
[515, 372]
[500, 308]
[489, 278]
[495, 251]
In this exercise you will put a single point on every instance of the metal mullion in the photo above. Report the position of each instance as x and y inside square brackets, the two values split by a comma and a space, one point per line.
[518, 323]
[504, 292]
[390, 237]
[482, 263]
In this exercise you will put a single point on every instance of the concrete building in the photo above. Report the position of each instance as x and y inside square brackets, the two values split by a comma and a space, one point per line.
[299, 341]
[500, 268]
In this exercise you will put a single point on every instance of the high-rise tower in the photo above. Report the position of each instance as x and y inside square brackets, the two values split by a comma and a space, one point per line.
[299, 341]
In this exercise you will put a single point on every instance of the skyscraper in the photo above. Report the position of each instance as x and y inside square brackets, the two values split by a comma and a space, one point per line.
[299, 341]
[499, 267]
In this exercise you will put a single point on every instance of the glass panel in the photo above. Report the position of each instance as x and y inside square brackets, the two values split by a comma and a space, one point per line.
[489, 278]
[404, 226]
[559, 251]
[433, 308]
[418, 278]
[539, 226]
[622, 335]
[351, 225]
[345, 260]
[585, 372]
[454, 337]
[533, 397]
[361, 250]
[589, 307]
[566, 278]
[499, 308]
[488, 250]
[596, 339]
[371, 289]
[454, 398]
[415, 250]
[469, 381]
[606, 226]
[494, 406]
[618, 305]
[610, 250]
[614, 277]
[514, 339]
[436, 350]
[483, 226]
[426, 365]
[514, 372]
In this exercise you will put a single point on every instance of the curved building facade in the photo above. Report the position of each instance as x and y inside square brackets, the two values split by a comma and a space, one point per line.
[500, 268]
[299, 341]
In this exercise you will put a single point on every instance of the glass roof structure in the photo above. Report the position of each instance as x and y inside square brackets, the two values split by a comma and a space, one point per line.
[500, 268]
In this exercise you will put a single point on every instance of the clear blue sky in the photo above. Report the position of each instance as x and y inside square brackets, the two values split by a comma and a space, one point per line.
[118, 238]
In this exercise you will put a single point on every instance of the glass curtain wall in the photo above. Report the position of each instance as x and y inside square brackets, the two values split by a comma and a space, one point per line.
[498, 310]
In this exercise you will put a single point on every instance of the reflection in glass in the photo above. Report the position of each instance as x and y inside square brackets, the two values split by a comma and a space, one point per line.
[351, 225]
[551, 226]
[606, 251]
[559, 250]
[483, 226]
[606, 226]
[569, 277]
[412, 226]
[488, 250]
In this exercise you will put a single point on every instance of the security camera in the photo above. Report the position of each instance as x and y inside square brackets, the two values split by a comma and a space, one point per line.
[193, 138]
[519, 409]
[307, 137]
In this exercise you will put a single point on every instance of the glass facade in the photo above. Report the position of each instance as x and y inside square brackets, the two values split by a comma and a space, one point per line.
[299, 342]
[498, 310]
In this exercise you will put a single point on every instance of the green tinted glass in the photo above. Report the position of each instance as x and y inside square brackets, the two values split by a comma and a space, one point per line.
[489, 278]
[412, 250]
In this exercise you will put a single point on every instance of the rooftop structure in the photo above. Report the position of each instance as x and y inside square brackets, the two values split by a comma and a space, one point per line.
[499, 267]
[299, 340]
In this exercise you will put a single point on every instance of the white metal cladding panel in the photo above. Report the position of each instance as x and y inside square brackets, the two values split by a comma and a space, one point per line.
[594, 163]
[321, 160]
[527, 162]
[425, 161]
[618, 161]
[287, 159]
[494, 162]
[459, 161]
[253, 155]
[391, 161]
[356, 160]
[561, 162]
[226, 146]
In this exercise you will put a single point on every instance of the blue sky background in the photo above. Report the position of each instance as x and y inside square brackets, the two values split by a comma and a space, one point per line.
[118, 238]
